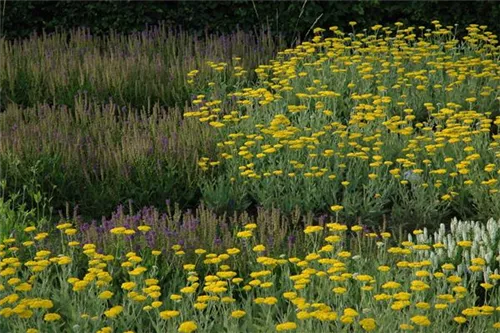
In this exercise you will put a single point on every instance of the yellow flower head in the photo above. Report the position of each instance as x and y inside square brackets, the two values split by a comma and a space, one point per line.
[188, 327]
[368, 324]
[51, 317]
[238, 313]
[288, 326]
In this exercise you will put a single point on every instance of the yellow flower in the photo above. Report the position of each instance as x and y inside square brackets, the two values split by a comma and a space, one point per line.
[423, 305]
[406, 327]
[448, 267]
[51, 317]
[460, 319]
[137, 271]
[368, 324]
[244, 234]
[238, 314]
[336, 208]
[478, 261]
[418, 285]
[441, 306]
[486, 285]
[364, 278]
[313, 229]
[346, 319]
[266, 300]
[350, 312]
[70, 232]
[128, 285]
[391, 285]
[63, 226]
[339, 290]
[288, 326]
[200, 306]
[188, 290]
[114, 311]
[336, 227]
[420, 320]
[233, 251]
[189, 267]
[188, 327]
[106, 329]
[144, 228]
[250, 226]
[333, 239]
[105, 294]
[259, 248]
[118, 230]
[454, 279]
[169, 314]
[41, 236]
[464, 243]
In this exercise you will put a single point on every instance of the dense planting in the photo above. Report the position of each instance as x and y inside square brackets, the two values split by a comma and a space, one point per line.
[400, 122]
[349, 280]
[97, 156]
[309, 189]
[138, 69]
[98, 113]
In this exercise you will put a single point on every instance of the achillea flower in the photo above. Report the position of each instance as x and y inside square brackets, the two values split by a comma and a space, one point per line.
[313, 229]
[406, 327]
[464, 243]
[238, 314]
[391, 285]
[188, 327]
[336, 208]
[51, 317]
[288, 326]
[368, 324]
[420, 320]
[244, 234]
[169, 314]
[259, 248]
[128, 285]
[114, 311]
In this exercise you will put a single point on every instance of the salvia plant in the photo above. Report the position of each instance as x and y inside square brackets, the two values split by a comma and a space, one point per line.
[97, 156]
[140, 68]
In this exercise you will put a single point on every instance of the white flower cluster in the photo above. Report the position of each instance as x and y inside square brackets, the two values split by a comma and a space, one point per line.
[451, 245]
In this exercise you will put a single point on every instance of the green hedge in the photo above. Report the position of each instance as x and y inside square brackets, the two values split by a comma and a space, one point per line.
[293, 18]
